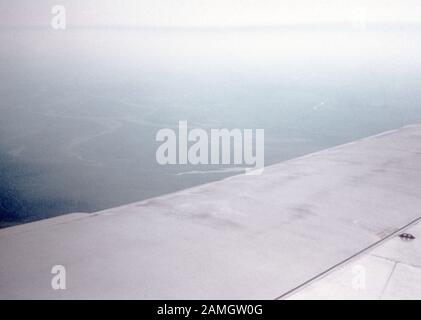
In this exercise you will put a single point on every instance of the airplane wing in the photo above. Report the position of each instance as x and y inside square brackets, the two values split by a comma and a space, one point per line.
[297, 231]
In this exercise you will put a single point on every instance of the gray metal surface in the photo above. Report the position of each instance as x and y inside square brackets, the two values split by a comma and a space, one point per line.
[244, 237]
[390, 271]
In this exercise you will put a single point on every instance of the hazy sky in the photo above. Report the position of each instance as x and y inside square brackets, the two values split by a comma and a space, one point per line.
[209, 12]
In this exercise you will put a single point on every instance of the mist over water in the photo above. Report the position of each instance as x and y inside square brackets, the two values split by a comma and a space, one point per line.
[80, 108]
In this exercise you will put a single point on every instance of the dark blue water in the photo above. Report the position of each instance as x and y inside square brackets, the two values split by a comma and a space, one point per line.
[80, 108]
